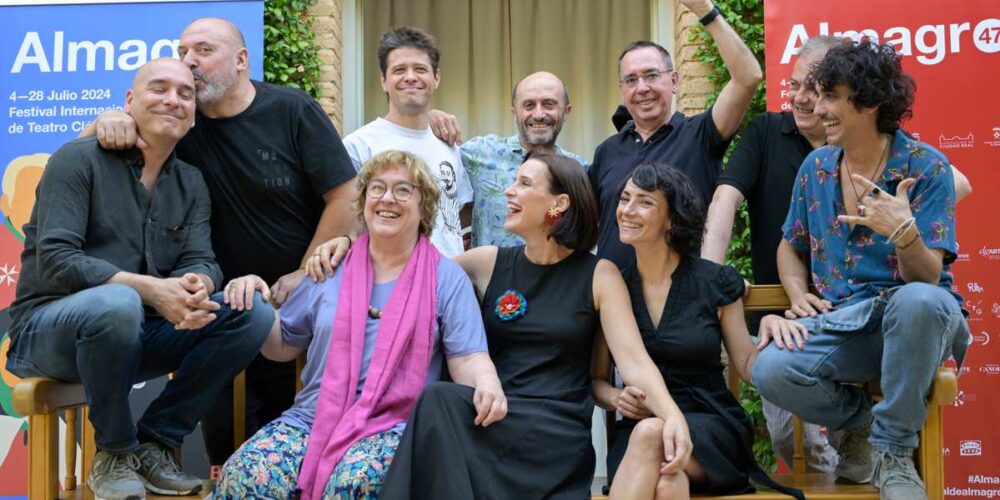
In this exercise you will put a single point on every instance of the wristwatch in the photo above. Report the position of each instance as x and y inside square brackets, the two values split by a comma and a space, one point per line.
[712, 14]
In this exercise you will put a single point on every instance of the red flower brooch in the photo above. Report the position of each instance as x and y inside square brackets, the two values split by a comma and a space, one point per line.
[511, 305]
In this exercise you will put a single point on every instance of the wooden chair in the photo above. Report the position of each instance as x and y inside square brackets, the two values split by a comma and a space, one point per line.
[819, 486]
[41, 400]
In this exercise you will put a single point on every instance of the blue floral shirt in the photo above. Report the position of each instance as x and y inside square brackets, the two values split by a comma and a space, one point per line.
[851, 265]
[491, 162]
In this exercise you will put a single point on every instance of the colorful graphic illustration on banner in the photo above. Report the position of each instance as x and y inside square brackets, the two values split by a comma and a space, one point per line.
[61, 66]
[952, 49]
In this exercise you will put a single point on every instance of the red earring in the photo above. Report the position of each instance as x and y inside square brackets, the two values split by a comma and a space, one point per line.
[553, 216]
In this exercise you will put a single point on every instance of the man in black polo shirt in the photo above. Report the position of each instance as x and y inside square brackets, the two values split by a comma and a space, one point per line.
[116, 287]
[694, 144]
[279, 179]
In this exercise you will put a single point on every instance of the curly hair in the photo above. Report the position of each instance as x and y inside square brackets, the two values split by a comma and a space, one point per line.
[577, 229]
[684, 205]
[423, 180]
[874, 74]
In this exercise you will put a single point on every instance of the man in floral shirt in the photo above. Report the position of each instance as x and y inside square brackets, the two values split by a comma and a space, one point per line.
[874, 213]
[540, 104]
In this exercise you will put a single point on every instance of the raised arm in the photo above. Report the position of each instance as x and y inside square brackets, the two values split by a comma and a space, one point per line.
[744, 70]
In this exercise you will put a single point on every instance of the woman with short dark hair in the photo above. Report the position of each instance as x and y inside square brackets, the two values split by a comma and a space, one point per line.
[685, 307]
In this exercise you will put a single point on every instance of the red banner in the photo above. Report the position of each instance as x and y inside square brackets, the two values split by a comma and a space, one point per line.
[952, 49]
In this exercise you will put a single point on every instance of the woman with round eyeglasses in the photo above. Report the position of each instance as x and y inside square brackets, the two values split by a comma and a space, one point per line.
[384, 324]
[547, 306]
[686, 308]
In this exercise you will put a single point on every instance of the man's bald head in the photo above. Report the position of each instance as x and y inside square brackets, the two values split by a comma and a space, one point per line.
[544, 78]
[161, 101]
[153, 69]
[223, 29]
[540, 104]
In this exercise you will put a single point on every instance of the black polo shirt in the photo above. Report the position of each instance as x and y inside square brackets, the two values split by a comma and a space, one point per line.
[690, 143]
[763, 168]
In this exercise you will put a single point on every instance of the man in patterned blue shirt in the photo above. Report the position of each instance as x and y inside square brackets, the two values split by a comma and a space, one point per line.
[874, 214]
[540, 104]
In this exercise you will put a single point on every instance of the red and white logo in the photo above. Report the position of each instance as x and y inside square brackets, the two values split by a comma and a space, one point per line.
[990, 369]
[962, 398]
[983, 338]
[956, 142]
[974, 287]
[970, 448]
[995, 142]
[990, 253]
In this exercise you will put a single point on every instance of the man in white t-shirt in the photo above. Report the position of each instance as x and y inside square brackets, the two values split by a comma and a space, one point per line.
[408, 60]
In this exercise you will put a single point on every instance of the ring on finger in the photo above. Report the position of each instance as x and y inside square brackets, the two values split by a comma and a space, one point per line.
[875, 192]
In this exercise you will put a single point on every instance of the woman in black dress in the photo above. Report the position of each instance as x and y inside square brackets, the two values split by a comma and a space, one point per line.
[544, 306]
[685, 307]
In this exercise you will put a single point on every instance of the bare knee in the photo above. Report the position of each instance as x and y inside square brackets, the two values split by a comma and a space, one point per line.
[647, 439]
[673, 486]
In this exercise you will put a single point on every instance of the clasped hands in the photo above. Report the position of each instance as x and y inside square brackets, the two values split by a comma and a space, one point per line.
[183, 301]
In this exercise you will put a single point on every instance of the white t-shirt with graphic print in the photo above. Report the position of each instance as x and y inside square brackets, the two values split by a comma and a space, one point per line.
[444, 161]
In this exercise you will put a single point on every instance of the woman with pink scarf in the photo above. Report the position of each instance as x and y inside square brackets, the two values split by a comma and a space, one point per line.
[375, 333]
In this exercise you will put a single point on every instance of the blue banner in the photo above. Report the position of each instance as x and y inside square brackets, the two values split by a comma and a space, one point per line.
[64, 64]
[61, 66]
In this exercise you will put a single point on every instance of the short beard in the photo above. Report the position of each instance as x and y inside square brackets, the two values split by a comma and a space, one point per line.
[214, 91]
[546, 141]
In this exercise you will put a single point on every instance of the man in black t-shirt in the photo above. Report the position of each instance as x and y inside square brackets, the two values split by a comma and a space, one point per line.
[278, 176]
[694, 144]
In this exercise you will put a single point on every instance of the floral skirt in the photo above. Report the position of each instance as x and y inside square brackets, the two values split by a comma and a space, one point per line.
[267, 466]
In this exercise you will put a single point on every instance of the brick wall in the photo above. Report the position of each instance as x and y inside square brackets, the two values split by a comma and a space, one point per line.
[694, 86]
[327, 15]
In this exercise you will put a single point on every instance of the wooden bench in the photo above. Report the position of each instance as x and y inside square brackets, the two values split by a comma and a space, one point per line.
[928, 457]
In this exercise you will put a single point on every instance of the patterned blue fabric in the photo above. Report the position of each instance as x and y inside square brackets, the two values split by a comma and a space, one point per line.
[850, 265]
[491, 162]
[267, 466]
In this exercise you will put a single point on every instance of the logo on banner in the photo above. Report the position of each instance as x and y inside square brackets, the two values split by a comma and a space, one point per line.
[974, 309]
[962, 398]
[995, 310]
[990, 369]
[956, 142]
[983, 338]
[970, 448]
[995, 142]
[990, 253]
[930, 42]
[974, 287]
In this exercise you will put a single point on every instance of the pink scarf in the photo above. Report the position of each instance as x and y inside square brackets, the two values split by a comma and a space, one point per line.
[398, 369]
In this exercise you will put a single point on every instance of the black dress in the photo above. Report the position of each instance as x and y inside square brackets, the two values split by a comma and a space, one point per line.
[542, 449]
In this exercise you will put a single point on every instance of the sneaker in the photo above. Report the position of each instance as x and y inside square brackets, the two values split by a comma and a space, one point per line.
[896, 478]
[160, 472]
[113, 477]
[856, 456]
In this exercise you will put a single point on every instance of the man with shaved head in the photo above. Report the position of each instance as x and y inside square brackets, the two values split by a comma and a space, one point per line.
[117, 287]
[279, 179]
[540, 104]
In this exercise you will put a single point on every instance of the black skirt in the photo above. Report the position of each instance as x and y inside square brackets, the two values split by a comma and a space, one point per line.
[541, 449]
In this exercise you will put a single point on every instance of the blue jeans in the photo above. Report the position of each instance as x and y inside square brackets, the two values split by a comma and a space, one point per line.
[101, 337]
[901, 337]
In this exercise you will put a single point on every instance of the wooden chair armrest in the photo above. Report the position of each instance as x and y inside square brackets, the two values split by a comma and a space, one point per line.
[38, 396]
[945, 387]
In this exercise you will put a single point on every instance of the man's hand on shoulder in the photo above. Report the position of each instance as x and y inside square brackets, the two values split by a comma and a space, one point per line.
[285, 285]
[445, 126]
[117, 130]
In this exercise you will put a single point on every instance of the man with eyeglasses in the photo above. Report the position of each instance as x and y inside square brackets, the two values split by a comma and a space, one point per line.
[408, 63]
[695, 144]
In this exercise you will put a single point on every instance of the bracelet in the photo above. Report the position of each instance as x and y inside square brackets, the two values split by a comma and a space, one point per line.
[712, 14]
[911, 242]
[350, 242]
[900, 229]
